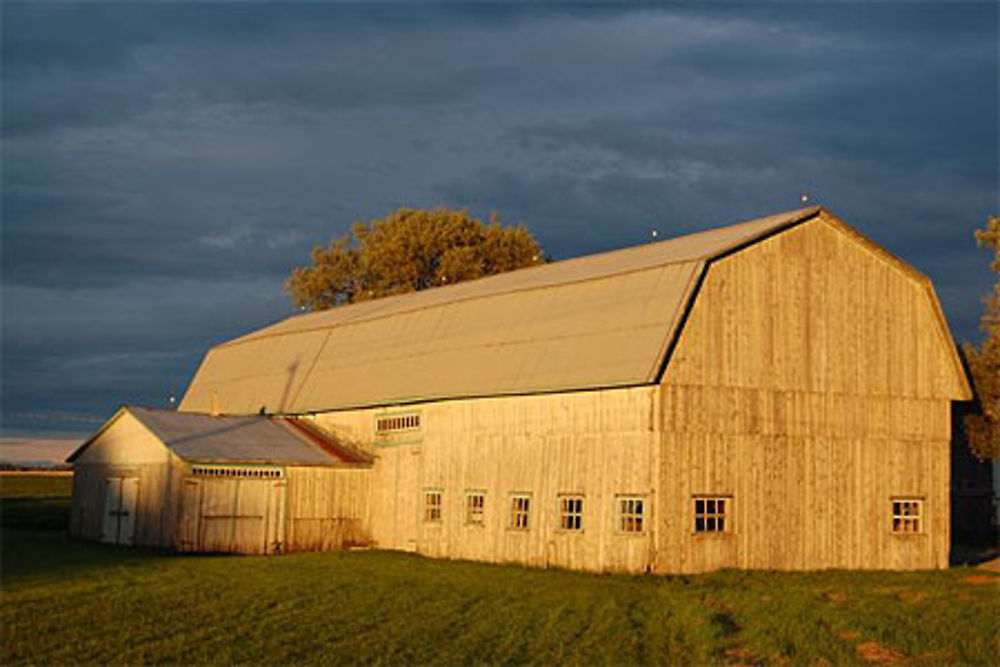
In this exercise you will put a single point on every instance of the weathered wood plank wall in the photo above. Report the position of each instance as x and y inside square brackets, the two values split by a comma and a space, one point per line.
[812, 385]
[327, 508]
[127, 450]
[596, 444]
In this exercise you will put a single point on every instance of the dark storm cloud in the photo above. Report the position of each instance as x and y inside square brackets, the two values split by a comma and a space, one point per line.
[166, 165]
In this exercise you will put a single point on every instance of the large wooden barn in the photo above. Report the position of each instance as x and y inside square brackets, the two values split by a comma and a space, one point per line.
[773, 394]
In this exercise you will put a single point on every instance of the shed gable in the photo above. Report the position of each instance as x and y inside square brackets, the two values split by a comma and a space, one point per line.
[124, 440]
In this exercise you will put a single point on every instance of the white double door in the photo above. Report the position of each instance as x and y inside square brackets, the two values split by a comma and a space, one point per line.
[120, 495]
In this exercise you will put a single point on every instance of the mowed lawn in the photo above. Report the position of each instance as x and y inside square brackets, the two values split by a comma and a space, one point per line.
[65, 601]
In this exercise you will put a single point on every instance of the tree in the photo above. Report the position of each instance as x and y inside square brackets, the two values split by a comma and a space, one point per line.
[408, 251]
[982, 429]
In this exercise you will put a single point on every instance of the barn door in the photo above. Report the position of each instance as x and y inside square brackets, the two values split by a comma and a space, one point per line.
[218, 514]
[411, 506]
[120, 496]
[275, 531]
[190, 525]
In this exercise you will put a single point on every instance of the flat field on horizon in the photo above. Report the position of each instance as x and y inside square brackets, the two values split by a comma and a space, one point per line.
[73, 602]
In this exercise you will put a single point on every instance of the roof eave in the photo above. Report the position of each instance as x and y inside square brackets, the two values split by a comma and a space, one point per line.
[96, 434]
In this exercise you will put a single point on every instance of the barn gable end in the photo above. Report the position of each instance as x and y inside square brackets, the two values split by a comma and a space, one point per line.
[810, 385]
[818, 307]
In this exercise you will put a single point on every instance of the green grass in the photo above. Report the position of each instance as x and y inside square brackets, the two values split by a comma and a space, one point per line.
[66, 601]
[35, 486]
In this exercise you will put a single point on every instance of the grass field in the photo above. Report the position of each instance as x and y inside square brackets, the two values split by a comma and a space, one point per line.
[65, 601]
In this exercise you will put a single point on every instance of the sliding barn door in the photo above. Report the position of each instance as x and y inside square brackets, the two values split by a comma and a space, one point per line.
[190, 521]
[275, 529]
[233, 510]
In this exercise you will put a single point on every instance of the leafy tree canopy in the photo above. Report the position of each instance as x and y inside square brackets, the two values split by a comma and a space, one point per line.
[407, 251]
[983, 429]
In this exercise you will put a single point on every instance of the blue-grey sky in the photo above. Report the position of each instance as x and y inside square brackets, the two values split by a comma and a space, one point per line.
[165, 165]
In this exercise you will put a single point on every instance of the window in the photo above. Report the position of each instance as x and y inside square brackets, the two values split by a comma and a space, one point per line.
[394, 423]
[631, 514]
[906, 515]
[570, 512]
[432, 506]
[236, 472]
[475, 503]
[520, 511]
[711, 514]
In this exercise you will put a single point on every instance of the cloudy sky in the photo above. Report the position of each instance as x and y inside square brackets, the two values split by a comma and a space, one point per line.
[164, 166]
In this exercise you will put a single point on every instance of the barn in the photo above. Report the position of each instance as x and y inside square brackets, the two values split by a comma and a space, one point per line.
[241, 484]
[774, 394]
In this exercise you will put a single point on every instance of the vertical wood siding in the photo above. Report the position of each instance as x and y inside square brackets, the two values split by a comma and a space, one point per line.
[327, 508]
[125, 449]
[596, 444]
[810, 384]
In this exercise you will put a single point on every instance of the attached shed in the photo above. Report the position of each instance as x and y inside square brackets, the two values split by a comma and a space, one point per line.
[204, 483]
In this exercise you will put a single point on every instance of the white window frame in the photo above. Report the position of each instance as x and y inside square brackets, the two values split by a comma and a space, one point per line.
[570, 509]
[433, 511]
[397, 422]
[907, 515]
[475, 516]
[627, 520]
[236, 472]
[711, 514]
[519, 517]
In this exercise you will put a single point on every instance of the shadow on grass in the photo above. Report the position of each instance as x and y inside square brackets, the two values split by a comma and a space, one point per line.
[35, 542]
[42, 513]
[38, 553]
[973, 554]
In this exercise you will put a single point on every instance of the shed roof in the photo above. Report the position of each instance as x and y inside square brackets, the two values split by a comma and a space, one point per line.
[207, 438]
[598, 321]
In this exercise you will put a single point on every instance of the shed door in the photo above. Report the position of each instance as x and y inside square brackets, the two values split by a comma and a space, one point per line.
[218, 514]
[275, 531]
[190, 516]
[120, 496]
[234, 515]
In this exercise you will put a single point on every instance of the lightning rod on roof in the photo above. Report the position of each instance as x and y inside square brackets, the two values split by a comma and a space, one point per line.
[172, 396]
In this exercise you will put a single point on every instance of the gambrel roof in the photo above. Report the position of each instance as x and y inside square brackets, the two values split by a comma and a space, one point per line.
[600, 321]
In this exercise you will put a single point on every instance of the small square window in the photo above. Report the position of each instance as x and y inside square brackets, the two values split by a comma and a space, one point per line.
[631, 514]
[570, 512]
[432, 506]
[711, 514]
[475, 504]
[520, 511]
[907, 515]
